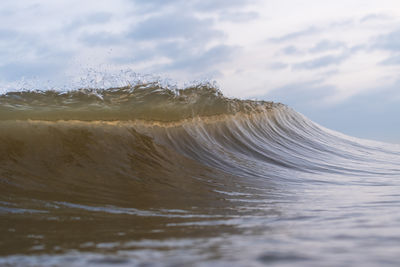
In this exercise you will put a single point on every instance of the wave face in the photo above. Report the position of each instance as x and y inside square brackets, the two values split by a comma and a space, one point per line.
[145, 174]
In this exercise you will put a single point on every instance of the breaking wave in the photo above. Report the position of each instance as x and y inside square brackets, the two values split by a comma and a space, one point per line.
[129, 163]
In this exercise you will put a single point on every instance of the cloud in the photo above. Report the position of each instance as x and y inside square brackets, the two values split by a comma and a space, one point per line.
[321, 62]
[326, 45]
[294, 35]
[186, 42]
[312, 30]
[89, 19]
[374, 17]
[278, 66]
[206, 60]
[14, 71]
[193, 6]
[7, 35]
[183, 57]
[136, 55]
[173, 26]
[303, 95]
[27, 54]
[101, 38]
[147, 7]
[208, 5]
[393, 60]
[389, 42]
[235, 11]
[238, 16]
[291, 50]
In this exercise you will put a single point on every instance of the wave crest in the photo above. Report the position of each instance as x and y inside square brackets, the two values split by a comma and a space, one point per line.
[145, 101]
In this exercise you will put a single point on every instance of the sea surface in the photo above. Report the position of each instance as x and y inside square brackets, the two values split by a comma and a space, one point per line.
[146, 175]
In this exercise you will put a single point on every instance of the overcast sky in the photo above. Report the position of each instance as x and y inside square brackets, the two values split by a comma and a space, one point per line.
[337, 62]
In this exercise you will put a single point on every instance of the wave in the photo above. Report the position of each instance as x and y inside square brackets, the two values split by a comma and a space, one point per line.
[79, 138]
[149, 151]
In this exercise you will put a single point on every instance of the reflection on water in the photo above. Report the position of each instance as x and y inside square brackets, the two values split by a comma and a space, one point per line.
[262, 186]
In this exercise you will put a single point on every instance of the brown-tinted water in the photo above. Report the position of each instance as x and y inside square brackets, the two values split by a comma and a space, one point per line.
[148, 176]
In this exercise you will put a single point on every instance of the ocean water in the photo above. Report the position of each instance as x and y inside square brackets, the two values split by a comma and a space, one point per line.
[144, 175]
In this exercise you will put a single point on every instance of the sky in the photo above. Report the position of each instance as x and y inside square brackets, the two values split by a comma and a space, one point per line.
[336, 62]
